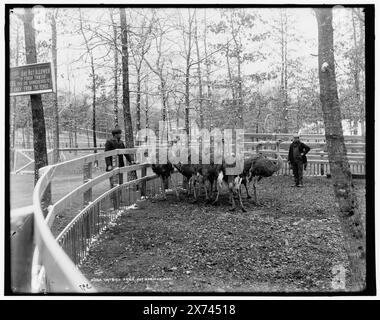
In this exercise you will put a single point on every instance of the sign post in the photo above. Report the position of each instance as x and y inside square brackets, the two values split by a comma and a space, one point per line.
[36, 78]
[32, 79]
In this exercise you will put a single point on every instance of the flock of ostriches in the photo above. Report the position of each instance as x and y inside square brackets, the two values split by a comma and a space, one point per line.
[208, 176]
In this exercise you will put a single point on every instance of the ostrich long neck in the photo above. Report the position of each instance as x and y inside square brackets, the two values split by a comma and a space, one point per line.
[279, 162]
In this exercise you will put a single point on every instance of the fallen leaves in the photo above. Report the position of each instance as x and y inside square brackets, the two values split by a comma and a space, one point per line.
[289, 241]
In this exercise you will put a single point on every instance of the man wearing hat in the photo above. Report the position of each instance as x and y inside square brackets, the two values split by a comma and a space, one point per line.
[116, 143]
[297, 159]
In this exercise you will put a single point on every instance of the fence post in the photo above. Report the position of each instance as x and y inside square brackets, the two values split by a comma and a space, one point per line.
[87, 175]
[119, 177]
[143, 183]
[322, 166]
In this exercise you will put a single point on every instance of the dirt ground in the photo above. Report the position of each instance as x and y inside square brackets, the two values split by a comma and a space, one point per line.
[289, 241]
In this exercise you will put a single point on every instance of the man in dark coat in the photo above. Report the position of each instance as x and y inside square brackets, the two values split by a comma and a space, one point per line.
[116, 143]
[297, 159]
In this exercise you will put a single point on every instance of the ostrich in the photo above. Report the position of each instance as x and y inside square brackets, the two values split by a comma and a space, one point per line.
[198, 174]
[247, 166]
[233, 183]
[263, 167]
[189, 172]
[164, 171]
[206, 175]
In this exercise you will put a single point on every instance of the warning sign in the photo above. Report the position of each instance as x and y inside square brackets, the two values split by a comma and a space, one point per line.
[31, 79]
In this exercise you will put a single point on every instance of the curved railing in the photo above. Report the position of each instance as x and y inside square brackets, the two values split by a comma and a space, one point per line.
[56, 260]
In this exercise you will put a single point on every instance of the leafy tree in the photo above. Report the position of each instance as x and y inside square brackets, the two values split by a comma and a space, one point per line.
[346, 201]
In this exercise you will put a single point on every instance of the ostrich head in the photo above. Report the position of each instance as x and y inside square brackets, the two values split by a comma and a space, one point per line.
[258, 146]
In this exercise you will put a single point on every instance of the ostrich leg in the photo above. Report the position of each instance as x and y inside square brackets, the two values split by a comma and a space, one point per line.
[233, 205]
[175, 187]
[254, 191]
[194, 187]
[189, 187]
[217, 194]
[246, 189]
[163, 189]
[241, 202]
[205, 187]
[211, 183]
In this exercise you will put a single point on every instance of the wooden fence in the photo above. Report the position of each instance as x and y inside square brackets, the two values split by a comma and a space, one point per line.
[50, 264]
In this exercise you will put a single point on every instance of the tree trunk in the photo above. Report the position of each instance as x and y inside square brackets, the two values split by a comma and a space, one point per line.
[93, 103]
[55, 98]
[146, 103]
[346, 201]
[257, 119]
[187, 100]
[356, 72]
[138, 99]
[38, 118]
[88, 138]
[23, 137]
[207, 62]
[28, 146]
[362, 59]
[115, 73]
[126, 102]
[286, 116]
[163, 96]
[187, 80]
[75, 137]
[240, 91]
[232, 83]
[284, 71]
[177, 117]
[125, 68]
[93, 75]
[48, 136]
[70, 139]
[14, 100]
[200, 85]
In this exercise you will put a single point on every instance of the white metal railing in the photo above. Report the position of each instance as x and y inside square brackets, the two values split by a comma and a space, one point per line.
[55, 260]
[55, 268]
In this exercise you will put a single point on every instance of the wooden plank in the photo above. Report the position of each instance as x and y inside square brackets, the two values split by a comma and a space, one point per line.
[286, 144]
[312, 152]
[250, 135]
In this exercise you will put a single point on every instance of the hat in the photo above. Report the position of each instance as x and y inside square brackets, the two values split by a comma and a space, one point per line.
[296, 135]
[116, 131]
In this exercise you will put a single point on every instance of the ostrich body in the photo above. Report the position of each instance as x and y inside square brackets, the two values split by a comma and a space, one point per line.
[246, 171]
[262, 167]
[207, 175]
[189, 172]
[164, 171]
